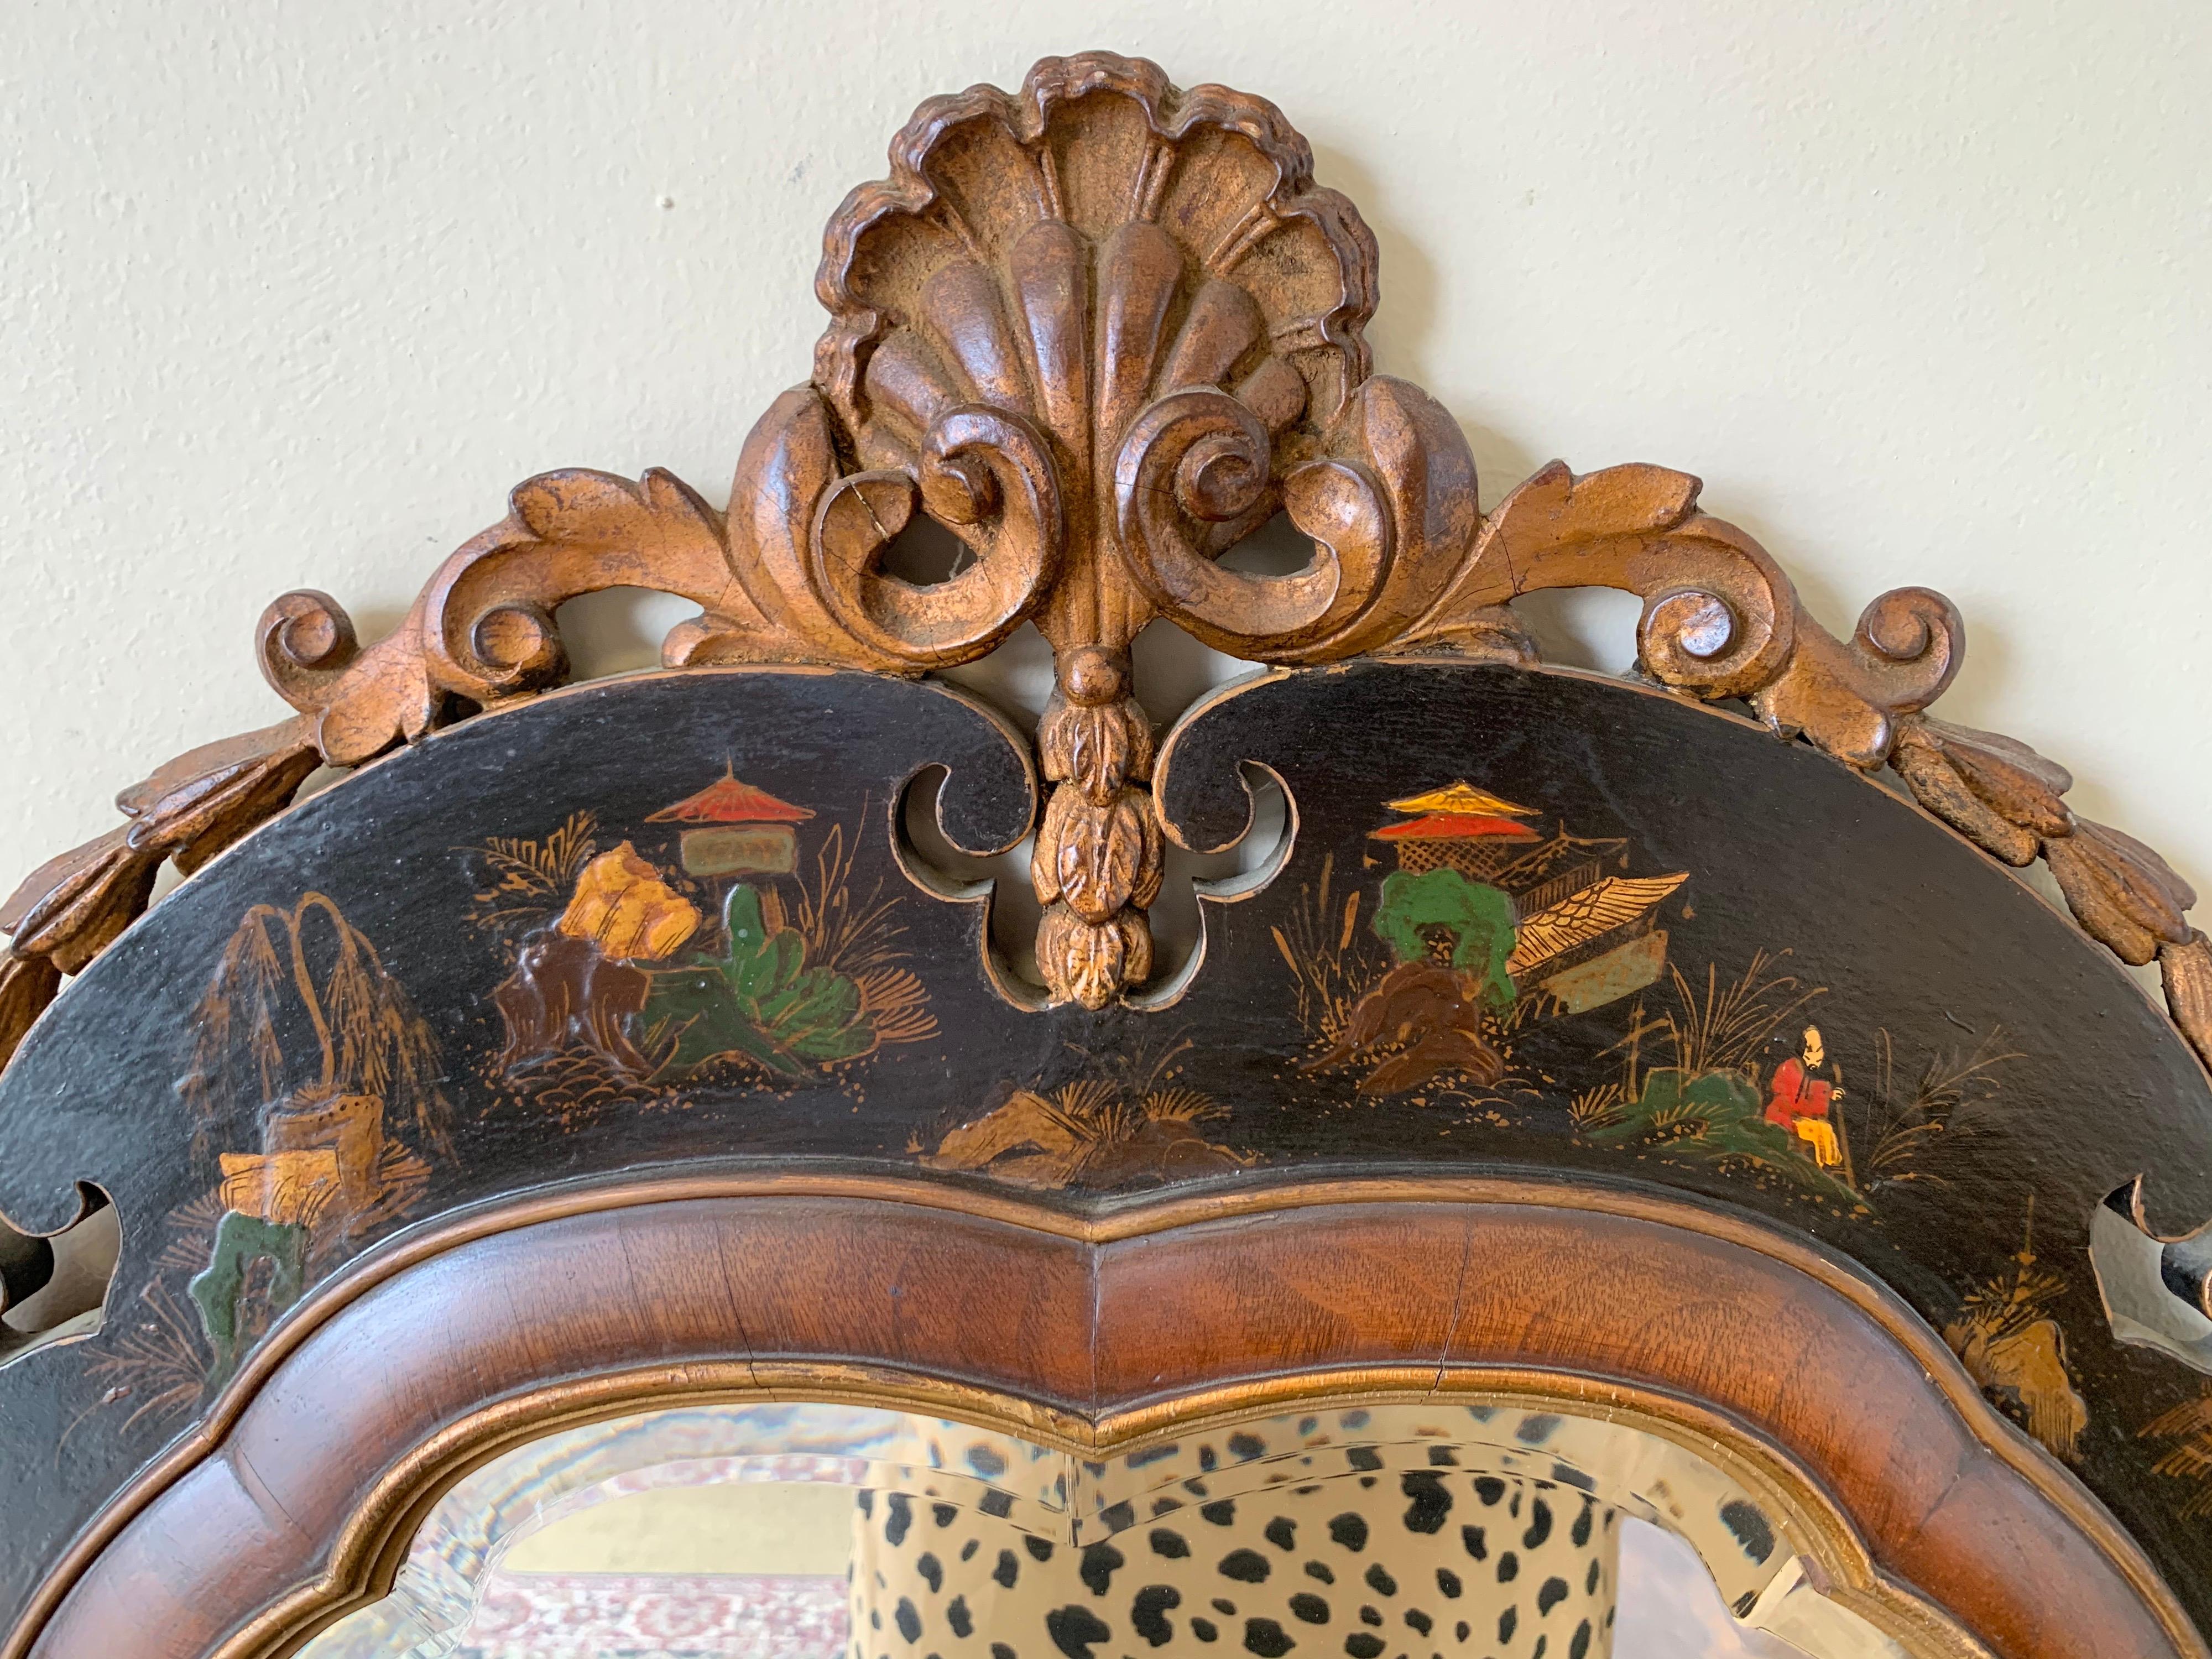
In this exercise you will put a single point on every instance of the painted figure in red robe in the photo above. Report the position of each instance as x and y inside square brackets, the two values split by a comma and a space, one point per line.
[1801, 1097]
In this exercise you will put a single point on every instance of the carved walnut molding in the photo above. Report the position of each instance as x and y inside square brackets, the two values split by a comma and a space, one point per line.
[1101, 330]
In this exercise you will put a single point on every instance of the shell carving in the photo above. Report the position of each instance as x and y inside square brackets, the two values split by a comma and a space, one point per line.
[1103, 329]
[1144, 286]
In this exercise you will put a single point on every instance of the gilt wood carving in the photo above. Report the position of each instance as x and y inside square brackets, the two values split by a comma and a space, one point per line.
[1589, 931]
[1101, 330]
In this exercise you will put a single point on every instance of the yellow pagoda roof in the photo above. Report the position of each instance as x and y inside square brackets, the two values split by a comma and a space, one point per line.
[1461, 799]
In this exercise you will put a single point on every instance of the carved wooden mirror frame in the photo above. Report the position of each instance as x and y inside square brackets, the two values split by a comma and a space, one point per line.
[1101, 330]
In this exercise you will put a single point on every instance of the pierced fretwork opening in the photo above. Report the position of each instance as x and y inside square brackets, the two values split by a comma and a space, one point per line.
[925, 553]
[618, 630]
[55, 1288]
[2156, 1290]
[1176, 924]
[1277, 547]
[1591, 628]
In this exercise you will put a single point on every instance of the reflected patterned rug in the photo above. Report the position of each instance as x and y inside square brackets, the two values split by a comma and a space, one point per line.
[657, 1616]
[1669, 1611]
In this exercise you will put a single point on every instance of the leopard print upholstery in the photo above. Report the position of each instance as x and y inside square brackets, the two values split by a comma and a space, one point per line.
[1400, 1564]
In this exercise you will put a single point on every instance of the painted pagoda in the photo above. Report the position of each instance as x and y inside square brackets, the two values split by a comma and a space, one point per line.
[732, 829]
[1586, 932]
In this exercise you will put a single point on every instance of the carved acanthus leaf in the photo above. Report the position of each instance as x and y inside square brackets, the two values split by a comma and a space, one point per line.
[73, 906]
[483, 629]
[2186, 971]
[1098, 859]
[1720, 618]
[2007, 799]
[1095, 747]
[1089, 964]
[1123, 316]
[2127, 896]
[2000, 794]
[28, 985]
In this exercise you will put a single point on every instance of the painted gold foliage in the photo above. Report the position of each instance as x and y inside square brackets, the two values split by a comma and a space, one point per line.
[858, 933]
[527, 880]
[155, 1360]
[2026, 1364]
[158, 1357]
[628, 993]
[1694, 1087]
[300, 1010]
[1133, 1128]
[2011, 1344]
[291, 1188]
[2186, 1431]
[312, 1087]
[1904, 1117]
[1332, 957]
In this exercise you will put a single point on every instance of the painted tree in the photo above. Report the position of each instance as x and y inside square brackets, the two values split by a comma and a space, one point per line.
[301, 1004]
[1479, 918]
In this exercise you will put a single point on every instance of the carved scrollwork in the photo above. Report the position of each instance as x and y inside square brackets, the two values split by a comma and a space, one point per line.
[1720, 618]
[1388, 502]
[483, 629]
[1101, 330]
[986, 473]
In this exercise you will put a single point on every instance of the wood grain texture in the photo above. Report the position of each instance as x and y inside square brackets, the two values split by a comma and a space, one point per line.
[1919, 1508]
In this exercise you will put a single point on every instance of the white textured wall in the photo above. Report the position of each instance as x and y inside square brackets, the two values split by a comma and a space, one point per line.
[289, 294]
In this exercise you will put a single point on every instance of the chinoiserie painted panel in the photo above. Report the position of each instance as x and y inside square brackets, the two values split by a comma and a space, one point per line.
[1528, 921]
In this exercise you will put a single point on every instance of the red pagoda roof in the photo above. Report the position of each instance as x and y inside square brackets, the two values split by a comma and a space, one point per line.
[726, 800]
[1457, 826]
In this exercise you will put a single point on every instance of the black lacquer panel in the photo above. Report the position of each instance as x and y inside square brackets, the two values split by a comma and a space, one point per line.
[1527, 922]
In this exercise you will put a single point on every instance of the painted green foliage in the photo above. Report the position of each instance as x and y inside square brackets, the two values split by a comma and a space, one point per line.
[1480, 918]
[759, 1000]
[218, 1291]
[1716, 1114]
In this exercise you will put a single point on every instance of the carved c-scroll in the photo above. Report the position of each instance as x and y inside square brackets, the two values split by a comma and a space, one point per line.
[1720, 618]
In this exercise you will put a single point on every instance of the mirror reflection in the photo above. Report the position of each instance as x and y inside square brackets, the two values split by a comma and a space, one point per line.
[835, 1531]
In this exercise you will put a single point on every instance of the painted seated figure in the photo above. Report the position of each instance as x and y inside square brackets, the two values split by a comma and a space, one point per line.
[1803, 1089]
